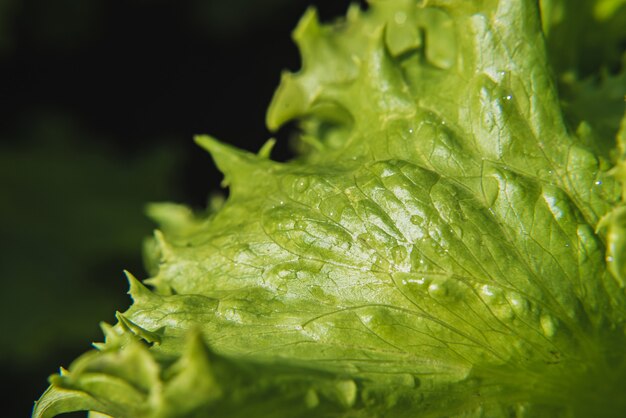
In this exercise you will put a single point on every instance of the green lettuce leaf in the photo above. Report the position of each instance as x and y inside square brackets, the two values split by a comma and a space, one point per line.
[445, 244]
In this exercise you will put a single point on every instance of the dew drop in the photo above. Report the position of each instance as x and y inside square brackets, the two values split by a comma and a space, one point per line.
[391, 399]
[311, 400]
[519, 304]
[280, 225]
[400, 18]
[300, 225]
[301, 184]
[380, 264]
[346, 391]
[411, 281]
[417, 220]
[456, 230]
[438, 289]
[398, 254]
[333, 207]
[434, 232]
[286, 274]
[548, 325]
[228, 311]
[366, 239]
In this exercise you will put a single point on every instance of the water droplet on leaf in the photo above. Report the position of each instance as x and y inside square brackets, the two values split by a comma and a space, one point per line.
[398, 254]
[548, 325]
[301, 184]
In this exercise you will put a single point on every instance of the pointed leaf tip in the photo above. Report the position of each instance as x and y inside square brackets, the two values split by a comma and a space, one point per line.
[107, 329]
[289, 102]
[151, 337]
[165, 250]
[308, 26]
[231, 161]
[56, 401]
[266, 149]
[136, 289]
[192, 377]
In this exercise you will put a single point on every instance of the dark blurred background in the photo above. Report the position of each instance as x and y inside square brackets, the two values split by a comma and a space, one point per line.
[99, 100]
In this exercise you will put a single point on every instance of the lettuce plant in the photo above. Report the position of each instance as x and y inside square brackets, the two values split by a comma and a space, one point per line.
[450, 241]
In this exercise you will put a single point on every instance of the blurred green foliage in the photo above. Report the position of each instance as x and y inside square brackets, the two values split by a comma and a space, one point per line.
[587, 38]
[71, 205]
[588, 53]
